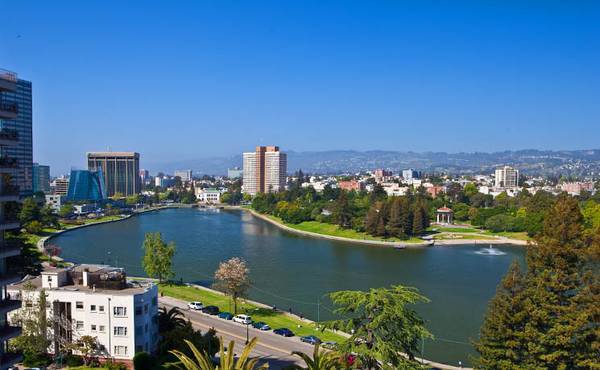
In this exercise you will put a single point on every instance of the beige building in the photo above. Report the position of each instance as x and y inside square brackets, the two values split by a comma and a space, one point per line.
[265, 170]
[121, 171]
[506, 178]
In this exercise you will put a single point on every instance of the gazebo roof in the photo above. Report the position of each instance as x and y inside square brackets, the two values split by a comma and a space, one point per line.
[444, 210]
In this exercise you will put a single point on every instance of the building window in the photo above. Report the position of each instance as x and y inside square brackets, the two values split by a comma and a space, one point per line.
[78, 325]
[79, 305]
[120, 350]
[93, 328]
[93, 308]
[120, 311]
[120, 331]
[100, 308]
[138, 311]
[154, 301]
[146, 308]
[102, 328]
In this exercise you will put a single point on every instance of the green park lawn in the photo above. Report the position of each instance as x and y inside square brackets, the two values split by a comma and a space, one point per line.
[334, 230]
[453, 229]
[519, 235]
[465, 236]
[273, 319]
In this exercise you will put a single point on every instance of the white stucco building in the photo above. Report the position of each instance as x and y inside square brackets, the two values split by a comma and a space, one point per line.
[97, 301]
[208, 196]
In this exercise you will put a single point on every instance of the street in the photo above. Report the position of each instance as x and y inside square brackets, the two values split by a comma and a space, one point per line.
[272, 348]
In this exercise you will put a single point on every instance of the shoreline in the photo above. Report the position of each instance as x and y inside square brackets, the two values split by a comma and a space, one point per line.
[382, 243]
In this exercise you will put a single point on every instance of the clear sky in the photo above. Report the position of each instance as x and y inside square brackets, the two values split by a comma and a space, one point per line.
[181, 80]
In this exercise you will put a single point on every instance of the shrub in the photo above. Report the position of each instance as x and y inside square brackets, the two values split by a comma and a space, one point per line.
[73, 360]
[142, 361]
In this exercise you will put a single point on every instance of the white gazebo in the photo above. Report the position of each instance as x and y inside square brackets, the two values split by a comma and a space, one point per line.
[444, 215]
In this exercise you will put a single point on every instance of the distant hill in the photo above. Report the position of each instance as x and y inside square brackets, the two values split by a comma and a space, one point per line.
[567, 162]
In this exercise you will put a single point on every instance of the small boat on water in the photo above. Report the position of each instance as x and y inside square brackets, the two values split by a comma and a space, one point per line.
[399, 246]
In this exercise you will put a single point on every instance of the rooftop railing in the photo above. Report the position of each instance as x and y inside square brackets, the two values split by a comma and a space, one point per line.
[8, 75]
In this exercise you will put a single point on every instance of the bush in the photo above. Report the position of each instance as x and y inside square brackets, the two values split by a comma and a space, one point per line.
[35, 359]
[73, 360]
[142, 361]
[34, 227]
[500, 223]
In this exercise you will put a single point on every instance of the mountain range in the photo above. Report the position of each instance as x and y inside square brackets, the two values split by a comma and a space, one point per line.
[530, 161]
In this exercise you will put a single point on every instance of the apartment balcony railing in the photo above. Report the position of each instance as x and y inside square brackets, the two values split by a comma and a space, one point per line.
[8, 359]
[10, 248]
[8, 190]
[8, 109]
[9, 134]
[8, 332]
[8, 80]
[7, 162]
[9, 305]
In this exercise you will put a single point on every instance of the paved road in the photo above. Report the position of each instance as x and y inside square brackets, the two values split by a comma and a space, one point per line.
[274, 349]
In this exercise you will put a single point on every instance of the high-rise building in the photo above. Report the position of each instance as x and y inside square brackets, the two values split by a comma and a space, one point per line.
[60, 186]
[41, 178]
[410, 174]
[235, 173]
[121, 171]
[11, 110]
[85, 185]
[506, 178]
[144, 177]
[17, 120]
[265, 170]
[184, 175]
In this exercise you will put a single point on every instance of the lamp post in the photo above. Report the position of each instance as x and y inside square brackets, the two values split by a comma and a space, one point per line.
[247, 328]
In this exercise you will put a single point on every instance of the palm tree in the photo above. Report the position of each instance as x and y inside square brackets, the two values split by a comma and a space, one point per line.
[171, 319]
[321, 360]
[202, 361]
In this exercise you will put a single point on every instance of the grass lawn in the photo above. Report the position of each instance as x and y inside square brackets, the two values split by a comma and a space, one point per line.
[334, 230]
[454, 229]
[466, 236]
[519, 235]
[273, 319]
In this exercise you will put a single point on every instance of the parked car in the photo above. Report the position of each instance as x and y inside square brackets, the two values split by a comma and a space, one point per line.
[195, 306]
[329, 345]
[211, 310]
[243, 319]
[310, 339]
[261, 326]
[285, 332]
[226, 316]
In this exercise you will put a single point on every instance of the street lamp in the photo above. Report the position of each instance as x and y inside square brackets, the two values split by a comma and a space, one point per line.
[247, 328]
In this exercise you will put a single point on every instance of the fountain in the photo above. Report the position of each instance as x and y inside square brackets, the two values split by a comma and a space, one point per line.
[490, 251]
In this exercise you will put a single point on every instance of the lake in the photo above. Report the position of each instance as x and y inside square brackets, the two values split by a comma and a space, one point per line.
[296, 272]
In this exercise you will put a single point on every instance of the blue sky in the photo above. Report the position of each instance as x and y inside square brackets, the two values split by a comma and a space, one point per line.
[191, 79]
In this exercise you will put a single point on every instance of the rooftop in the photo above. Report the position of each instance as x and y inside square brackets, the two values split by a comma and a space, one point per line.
[113, 154]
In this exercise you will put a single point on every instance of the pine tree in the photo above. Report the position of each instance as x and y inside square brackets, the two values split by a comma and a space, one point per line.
[502, 343]
[380, 227]
[394, 224]
[371, 221]
[558, 304]
[417, 223]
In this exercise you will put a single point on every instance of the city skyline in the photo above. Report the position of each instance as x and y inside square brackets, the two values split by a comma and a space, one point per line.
[500, 77]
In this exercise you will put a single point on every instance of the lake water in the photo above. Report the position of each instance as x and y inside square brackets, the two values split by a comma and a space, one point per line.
[292, 271]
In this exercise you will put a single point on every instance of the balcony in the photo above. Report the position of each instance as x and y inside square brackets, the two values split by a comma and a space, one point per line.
[8, 332]
[8, 80]
[10, 249]
[7, 164]
[9, 193]
[8, 109]
[9, 136]
[9, 305]
[9, 224]
[9, 359]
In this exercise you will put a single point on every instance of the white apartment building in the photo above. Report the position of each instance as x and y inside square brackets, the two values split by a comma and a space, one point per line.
[506, 178]
[275, 171]
[55, 201]
[185, 175]
[249, 182]
[97, 301]
[209, 196]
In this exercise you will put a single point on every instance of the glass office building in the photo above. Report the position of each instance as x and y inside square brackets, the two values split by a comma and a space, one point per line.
[41, 178]
[86, 186]
[21, 124]
[121, 171]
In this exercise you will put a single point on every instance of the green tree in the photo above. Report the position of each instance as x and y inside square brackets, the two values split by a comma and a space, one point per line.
[48, 217]
[558, 303]
[502, 343]
[34, 227]
[382, 325]
[66, 210]
[30, 211]
[343, 213]
[158, 257]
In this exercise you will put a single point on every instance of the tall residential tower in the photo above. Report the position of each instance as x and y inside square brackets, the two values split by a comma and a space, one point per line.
[506, 178]
[121, 171]
[10, 143]
[265, 170]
